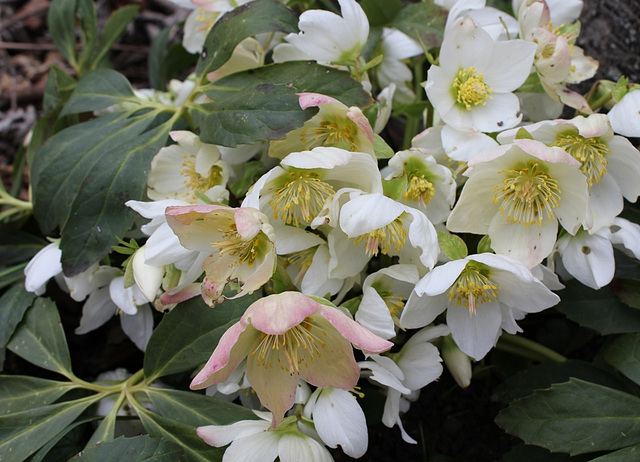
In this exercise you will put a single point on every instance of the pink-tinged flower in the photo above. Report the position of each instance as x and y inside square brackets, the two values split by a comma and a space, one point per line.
[286, 337]
[240, 242]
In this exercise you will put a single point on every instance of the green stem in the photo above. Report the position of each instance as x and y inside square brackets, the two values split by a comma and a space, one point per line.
[526, 348]
[604, 99]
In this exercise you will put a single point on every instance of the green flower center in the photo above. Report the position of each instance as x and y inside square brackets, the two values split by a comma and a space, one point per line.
[527, 195]
[301, 198]
[340, 132]
[196, 182]
[469, 88]
[473, 287]
[590, 152]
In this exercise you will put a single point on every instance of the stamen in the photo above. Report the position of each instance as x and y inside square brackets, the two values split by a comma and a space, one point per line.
[473, 287]
[391, 235]
[245, 251]
[293, 350]
[591, 152]
[469, 88]
[301, 258]
[527, 196]
[196, 182]
[331, 132]
[301, 198]
[395, 302]
[420, 190]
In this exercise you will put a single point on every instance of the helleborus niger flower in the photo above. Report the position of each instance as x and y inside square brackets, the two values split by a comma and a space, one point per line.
[483, 294]
[396, 47]
[472, 86]
[332, 39]
[610, 162]
[517, 193]
[625, 115]
[240, 243]
[255, 440]
[43, 266]
[190, 167]
[286, 337]
[334, 125]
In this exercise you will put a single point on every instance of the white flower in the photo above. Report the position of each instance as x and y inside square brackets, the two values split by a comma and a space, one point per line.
[396, 47]
[482, 294]
[43, 266]
[497, 23]
[458, 363]
[472, 87]
[560, 11]
[517, 193]
[332, 39]
[255, 440]
[625, 115]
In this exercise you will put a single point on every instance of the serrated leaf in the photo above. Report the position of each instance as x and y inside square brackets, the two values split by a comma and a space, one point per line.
[623, 353]
[61, 22]
[40, 338]
[599, 310]
[576, 417]
[139, 448]
[97, 90]
[195, 408]
[263, 104]
[19, 392]
[195, 450]
[452, 246]
[23, 433]
[186, 337]
[244, 21]
[83, 176]
[423, 22]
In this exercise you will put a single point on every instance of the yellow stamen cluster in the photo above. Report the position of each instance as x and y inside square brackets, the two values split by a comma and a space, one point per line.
[301, 198]
[302, 258]
[331, 132]
[419, 190]
[395, 302]
[469, 88]
[528, 195]
[196, 182]
[233, 245]
[293, 350]
[591, 152]
[391, 235]
[473, 287]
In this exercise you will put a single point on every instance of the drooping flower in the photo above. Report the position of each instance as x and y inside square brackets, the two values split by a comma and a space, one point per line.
[286, 337]
[517, 193]
[483, 294]
[240, 243]
[472, 86]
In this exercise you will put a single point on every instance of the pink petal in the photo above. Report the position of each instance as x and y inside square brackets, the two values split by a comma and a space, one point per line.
[276, 314]
[361, 338]
[357, 116]
[314, 99]
[275, 387]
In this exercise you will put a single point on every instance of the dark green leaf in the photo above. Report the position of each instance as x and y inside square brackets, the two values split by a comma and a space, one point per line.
[196, 409]
[543, 376]
[19, 393]
[628, 290]
[139, 448]
[527, 453]
[66, 443]
[250, 173]
[88, 19]
[40, 338]
[84, 175]
[623, 353]
[195, 450]
[381, 12]
[23, 433]
[113, 29]
[422, 21]
[236, 25]
[57, 89]
[165, 60]
[263, 104]
[62, 27]
[576, 417]
[186, 337]
[11, 274]
[599, 310]
[17, 246]
[622, 455]
[13, 304]
[97, 90]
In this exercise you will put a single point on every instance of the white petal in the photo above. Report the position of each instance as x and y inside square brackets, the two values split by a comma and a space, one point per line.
[625, 115]
[476, 333]
[97, 310]
[374, 314]
[420, 364]
[221, 435]
[147, 277]
[138, 327]
[261, 446]
[294, 448]
[43, 266]
[588, 258]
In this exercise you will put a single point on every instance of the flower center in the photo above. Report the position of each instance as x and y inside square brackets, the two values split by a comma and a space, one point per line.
[591, 152]
[420, 189]
[473, 287]
[331, 132]
[527, 196]
[301, 198]
[302, 259]
[196, 182]
[246, 251]
[395, 302]
[293, 350]
[391, 235]
[205, 19]
[470, 89]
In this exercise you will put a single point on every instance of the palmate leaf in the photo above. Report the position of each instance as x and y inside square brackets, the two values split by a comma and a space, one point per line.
[263, 104]
[139, 448]
[82, 177]
[576, 417]
[20, 393]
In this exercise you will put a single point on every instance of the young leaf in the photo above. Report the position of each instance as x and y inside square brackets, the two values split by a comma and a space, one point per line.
[623, 353]
[452, 246]
[20, 393]
[576, 417]
[97, 90]
[138, 448]
[263, 104]
[186, 337]
[40, 338]
[61, 21]
[244, 21]
[113, 29]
